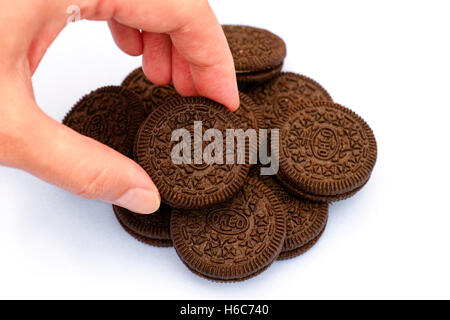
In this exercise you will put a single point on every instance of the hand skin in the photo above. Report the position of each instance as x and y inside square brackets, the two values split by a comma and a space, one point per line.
[181, 41]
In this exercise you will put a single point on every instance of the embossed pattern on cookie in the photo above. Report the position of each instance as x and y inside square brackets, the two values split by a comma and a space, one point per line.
[146, 240]
[194, 185]
[301, 250]
[317, 198]
[155, 225]
[249, 113]
[325, 149]
[111, 115]
[234, 240]
[283, 92]
[253, 48]
[304, 219]
[258, 54]
[151, 94]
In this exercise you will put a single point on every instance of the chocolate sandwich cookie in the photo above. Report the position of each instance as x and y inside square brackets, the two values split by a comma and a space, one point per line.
[318, 198]
[154, 226]
[257, 78]
[283, 92]
[301, 250]
[326, 150]
[151, 94]
[251, 117]
[258, 54]
[224, 281]
[234, 240]
[249, 113]
[305, 220]
[146, 240]
[189, 181]
[110, 115]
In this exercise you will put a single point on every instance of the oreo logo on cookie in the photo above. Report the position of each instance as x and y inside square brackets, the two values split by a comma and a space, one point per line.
[230, 223]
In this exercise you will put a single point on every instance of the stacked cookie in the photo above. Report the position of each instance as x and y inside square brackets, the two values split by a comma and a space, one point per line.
[258, 54]
[226, 221]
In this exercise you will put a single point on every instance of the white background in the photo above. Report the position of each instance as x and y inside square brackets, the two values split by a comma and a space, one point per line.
[387, 60]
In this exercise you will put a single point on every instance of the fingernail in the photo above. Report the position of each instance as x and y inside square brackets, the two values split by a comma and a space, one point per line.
[139, 200]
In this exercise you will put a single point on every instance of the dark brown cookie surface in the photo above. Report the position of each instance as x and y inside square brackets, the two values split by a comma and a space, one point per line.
[227, 281]
[146, 240]
[233, 240]
[249, 113]
[325, 149]
[257, 77]
[301, 250]
[155, 226]
[283, 92]
[110, 115]
[304, 219]
[151, 94]
[318, 198]
[254, 49]
[194, 185]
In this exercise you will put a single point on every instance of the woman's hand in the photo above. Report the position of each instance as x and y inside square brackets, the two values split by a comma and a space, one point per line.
[181, 41]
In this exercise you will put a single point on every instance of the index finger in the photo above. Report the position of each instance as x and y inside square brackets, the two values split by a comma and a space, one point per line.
[198, 37]
[203, 45]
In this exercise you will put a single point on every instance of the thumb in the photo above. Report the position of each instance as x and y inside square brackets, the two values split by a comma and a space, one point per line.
[81, 165]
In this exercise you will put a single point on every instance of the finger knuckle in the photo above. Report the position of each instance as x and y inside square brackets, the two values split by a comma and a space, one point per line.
[95, 186]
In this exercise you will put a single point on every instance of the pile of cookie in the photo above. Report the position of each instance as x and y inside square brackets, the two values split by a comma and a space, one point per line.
[226, 221]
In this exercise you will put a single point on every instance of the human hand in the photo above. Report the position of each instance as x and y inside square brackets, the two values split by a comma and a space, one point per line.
[181, 41]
